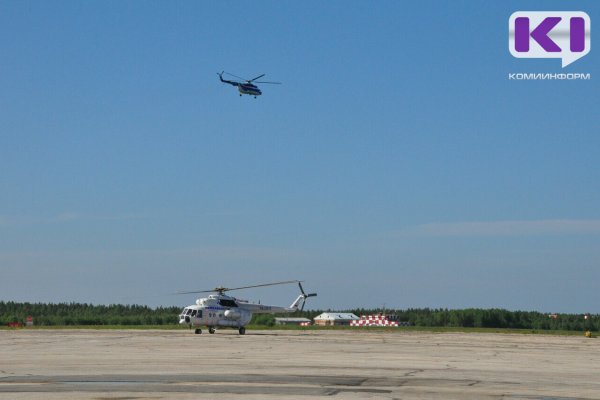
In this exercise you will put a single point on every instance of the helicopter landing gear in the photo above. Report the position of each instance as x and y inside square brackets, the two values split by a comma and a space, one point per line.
[211, 330]
[242, 330]
[198, 331]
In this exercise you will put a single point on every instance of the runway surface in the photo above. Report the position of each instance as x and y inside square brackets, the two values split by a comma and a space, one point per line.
[361, 364]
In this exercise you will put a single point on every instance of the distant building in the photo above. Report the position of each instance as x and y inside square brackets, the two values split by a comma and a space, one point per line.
[333, 318]
[292, 321]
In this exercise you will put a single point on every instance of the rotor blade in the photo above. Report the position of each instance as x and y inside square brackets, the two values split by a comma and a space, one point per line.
[272, 83]
[235, 76]
[301, 289]
[264, 284]
[304, 300]
[260, 76]
[223, 289]
[199, 291]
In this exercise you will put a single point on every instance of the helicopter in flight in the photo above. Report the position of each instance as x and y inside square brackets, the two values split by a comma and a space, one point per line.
[247, 86]
[222, 311]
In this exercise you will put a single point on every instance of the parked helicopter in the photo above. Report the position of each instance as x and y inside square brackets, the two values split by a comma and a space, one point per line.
[222, 311]
[246, 87]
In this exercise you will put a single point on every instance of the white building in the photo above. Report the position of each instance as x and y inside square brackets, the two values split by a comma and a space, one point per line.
[334, 318]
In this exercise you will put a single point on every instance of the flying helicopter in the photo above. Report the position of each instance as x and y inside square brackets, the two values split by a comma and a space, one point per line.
[247, 86]
[222, 311]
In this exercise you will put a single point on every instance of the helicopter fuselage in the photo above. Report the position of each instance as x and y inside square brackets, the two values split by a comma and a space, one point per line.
[218, 310]
[248, 88]
[215, 310]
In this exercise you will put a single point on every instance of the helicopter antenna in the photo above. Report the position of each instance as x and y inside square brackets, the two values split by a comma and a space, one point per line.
[222, 289]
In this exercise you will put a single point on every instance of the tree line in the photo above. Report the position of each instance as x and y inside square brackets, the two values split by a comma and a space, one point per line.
[49, 314]
[493, 318]
[65, 314]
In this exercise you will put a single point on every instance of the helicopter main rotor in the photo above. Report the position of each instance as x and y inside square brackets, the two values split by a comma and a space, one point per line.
[220, 289]
[253, 80]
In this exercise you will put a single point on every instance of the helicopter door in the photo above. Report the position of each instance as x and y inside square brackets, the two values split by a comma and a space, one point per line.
[196, 316]
[211, 318]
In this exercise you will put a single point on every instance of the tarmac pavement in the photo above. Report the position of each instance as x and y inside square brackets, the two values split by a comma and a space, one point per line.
[304, 364]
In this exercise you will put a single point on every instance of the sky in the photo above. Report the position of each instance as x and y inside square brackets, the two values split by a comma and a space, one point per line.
[396, 166]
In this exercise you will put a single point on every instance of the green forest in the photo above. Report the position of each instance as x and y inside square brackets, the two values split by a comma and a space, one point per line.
[70, 314]
[86, 314]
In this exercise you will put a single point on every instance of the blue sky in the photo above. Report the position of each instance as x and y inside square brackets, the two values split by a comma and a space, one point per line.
[396, 165]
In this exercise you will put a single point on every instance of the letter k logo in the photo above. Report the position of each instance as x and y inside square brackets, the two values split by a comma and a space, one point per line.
[539, 34]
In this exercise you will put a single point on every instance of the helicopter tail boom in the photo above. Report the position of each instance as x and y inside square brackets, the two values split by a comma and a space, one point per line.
[225, 80]
[296, 303]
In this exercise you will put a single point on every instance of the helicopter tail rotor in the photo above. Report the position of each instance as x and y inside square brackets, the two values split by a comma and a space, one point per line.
[304, 295]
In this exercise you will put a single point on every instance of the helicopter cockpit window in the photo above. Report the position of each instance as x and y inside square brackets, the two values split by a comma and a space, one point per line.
[193, 313]
[189, 311]
[227, 303]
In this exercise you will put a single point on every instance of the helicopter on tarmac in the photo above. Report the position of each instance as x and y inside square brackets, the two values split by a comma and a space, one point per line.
[247, 86]
[222, 311]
